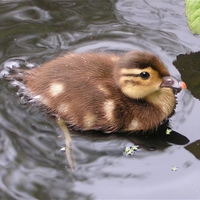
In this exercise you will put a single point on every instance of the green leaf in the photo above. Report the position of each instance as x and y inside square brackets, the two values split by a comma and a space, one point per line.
[128, 151]
[193, 15]
[135, 147]
[174, 168]
[131, 150]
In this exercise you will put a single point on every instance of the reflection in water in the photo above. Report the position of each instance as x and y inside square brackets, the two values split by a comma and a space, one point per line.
[152, 140]
[189, 67]
[194, 148]
[32, 165]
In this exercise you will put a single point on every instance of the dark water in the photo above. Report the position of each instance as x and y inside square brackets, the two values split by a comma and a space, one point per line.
[31, 163]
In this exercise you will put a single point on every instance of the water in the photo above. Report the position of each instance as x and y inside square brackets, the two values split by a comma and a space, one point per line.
[32, 165]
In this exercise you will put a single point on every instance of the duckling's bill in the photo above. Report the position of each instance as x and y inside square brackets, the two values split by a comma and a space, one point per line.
[172, 82]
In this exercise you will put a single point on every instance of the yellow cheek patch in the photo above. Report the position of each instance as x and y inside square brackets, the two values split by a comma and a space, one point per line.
[134, 76]
[56, 88]
[135, 86]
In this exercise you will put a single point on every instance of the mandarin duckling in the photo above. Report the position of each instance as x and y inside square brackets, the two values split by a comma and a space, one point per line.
[105, 92]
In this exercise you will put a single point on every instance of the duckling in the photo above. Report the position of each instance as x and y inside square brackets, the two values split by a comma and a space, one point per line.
[104, 91]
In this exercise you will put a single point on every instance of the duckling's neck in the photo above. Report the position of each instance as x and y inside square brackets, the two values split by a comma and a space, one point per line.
[164, 99]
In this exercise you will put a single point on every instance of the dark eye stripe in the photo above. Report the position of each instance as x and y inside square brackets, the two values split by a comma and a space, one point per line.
[135, 75]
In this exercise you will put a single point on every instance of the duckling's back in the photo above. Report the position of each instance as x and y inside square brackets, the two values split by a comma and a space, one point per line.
[79, 88]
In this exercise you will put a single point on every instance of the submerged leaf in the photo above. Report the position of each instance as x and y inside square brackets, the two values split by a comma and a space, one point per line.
[193, 15]
[194, 148]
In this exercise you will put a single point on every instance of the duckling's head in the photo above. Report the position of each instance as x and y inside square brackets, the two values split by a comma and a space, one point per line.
[140, 74]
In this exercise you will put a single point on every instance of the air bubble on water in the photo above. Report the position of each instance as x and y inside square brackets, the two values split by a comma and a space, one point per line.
[31, 65]
[11, 64]
[3, 73]
[16, 83]
[8, 68]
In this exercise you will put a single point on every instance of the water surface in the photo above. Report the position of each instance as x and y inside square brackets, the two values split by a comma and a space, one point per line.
[32, 165]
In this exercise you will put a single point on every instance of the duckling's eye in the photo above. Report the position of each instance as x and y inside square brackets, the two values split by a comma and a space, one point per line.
[144, 75]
